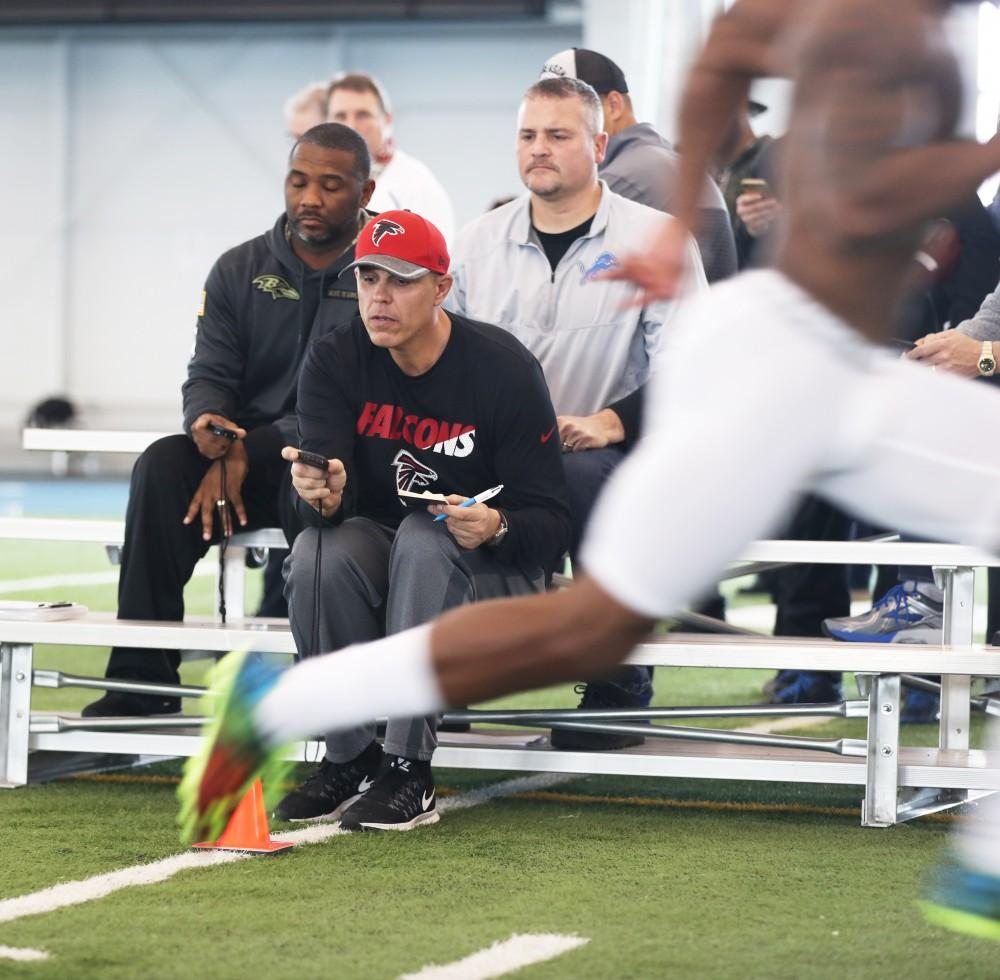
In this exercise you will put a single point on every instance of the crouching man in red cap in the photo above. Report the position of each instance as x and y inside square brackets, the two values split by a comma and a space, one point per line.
[409, 400]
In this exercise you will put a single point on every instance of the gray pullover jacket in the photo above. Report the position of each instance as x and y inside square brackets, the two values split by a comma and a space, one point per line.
[985, 325]
[641, 165]
[593, 345]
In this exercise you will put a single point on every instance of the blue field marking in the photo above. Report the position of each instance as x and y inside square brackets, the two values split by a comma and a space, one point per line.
[63, 498]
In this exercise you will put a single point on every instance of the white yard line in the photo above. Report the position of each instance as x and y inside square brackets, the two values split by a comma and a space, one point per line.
[44, 583]
[89, 889]
[776, 725]
[502, 958]
[509, 787]
[10, 953]
[78, 892]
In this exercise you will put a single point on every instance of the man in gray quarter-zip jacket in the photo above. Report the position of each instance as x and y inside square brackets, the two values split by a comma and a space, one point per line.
[640, 164]
[263, 302]
[961, 350]
[534, 268]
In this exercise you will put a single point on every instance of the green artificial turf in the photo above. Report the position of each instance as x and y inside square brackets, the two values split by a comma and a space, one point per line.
[661, 883]
[659, 891]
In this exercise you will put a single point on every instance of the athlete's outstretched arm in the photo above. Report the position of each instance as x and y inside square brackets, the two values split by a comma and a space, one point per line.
[490, 649]
[479, 651]
[743, 45]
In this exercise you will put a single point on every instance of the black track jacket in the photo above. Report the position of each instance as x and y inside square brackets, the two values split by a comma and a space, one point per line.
[260, 308]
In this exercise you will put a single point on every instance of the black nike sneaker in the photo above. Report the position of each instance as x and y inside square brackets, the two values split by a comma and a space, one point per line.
[402, 798]
[332, 788]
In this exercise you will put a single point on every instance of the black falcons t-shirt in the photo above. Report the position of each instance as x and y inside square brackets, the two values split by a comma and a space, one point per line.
[481, 416]
[556, 244]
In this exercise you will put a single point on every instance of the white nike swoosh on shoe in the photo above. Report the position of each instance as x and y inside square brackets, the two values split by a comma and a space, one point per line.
[365, 785]
[426, 801]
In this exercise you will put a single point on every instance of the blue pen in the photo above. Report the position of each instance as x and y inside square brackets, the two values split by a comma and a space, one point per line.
[479, 498]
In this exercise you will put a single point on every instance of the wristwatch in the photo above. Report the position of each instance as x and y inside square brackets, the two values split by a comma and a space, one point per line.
[987, 362]
[502, 530]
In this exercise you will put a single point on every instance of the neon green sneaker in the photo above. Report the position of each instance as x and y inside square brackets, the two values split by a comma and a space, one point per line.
[964, 901]
[233, 754]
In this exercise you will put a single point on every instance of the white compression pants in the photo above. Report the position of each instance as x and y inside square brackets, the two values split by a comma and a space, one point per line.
[761, 395]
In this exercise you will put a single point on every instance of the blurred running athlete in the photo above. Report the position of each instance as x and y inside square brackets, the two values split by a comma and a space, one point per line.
[871, 156]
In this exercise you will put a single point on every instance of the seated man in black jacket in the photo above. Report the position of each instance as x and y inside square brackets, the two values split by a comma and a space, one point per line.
[405, 400]
[262, 303]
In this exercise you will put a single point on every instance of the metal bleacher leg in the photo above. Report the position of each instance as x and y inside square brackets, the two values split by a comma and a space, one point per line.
[15, 712]
[236, 581]
[959, 589]
[882, 780]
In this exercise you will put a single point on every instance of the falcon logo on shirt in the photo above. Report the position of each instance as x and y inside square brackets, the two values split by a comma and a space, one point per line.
[385, 227]
[602, 263]
[275, 287]
[411, 474]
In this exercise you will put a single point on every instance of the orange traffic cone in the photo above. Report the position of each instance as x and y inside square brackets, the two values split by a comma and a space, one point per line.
[247, 829]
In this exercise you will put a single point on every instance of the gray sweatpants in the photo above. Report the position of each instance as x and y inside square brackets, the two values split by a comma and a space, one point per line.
[375, 581]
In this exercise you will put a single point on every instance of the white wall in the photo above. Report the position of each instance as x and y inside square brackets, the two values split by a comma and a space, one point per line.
[654, 41]
[132, 157]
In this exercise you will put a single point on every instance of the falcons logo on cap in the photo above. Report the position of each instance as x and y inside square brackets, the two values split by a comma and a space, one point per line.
[385, 227]
[411, 473]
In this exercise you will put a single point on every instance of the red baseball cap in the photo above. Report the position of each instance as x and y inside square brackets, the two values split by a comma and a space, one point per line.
[402, 243]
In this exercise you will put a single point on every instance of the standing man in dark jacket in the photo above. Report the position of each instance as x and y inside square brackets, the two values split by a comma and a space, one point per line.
[263, 302]
[639, 163]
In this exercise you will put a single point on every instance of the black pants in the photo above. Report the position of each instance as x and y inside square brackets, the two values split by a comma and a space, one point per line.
[807, 594]
[160, 552]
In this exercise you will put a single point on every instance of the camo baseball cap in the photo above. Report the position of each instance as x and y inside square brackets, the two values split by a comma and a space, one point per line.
[402, 243]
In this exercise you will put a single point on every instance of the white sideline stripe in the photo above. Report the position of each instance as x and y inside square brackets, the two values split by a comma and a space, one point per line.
[502, 957]
[777, 725]
[78, 892]
[46, 582]
[10, 953]
[509, 787]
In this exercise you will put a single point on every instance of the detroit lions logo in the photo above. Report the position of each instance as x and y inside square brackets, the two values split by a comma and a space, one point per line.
[411, 474]
[602, 263]
[275, 287]
[385, 227]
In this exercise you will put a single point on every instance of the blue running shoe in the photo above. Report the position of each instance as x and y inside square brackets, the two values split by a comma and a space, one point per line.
[780, 681]
[964, 901]
[233, 754]
[821, 687]
[920, 707]
[905, 614]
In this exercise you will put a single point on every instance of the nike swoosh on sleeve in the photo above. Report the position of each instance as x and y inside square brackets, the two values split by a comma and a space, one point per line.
[548, 435]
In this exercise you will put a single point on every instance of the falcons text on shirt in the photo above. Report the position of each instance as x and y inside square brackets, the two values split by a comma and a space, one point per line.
[392, 422]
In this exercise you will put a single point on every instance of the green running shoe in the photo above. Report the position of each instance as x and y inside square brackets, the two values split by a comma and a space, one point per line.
[964, 901]
[233, 753]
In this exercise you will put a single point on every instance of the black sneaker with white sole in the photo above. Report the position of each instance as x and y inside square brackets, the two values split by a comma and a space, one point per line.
[332, 788]
[402, 798]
